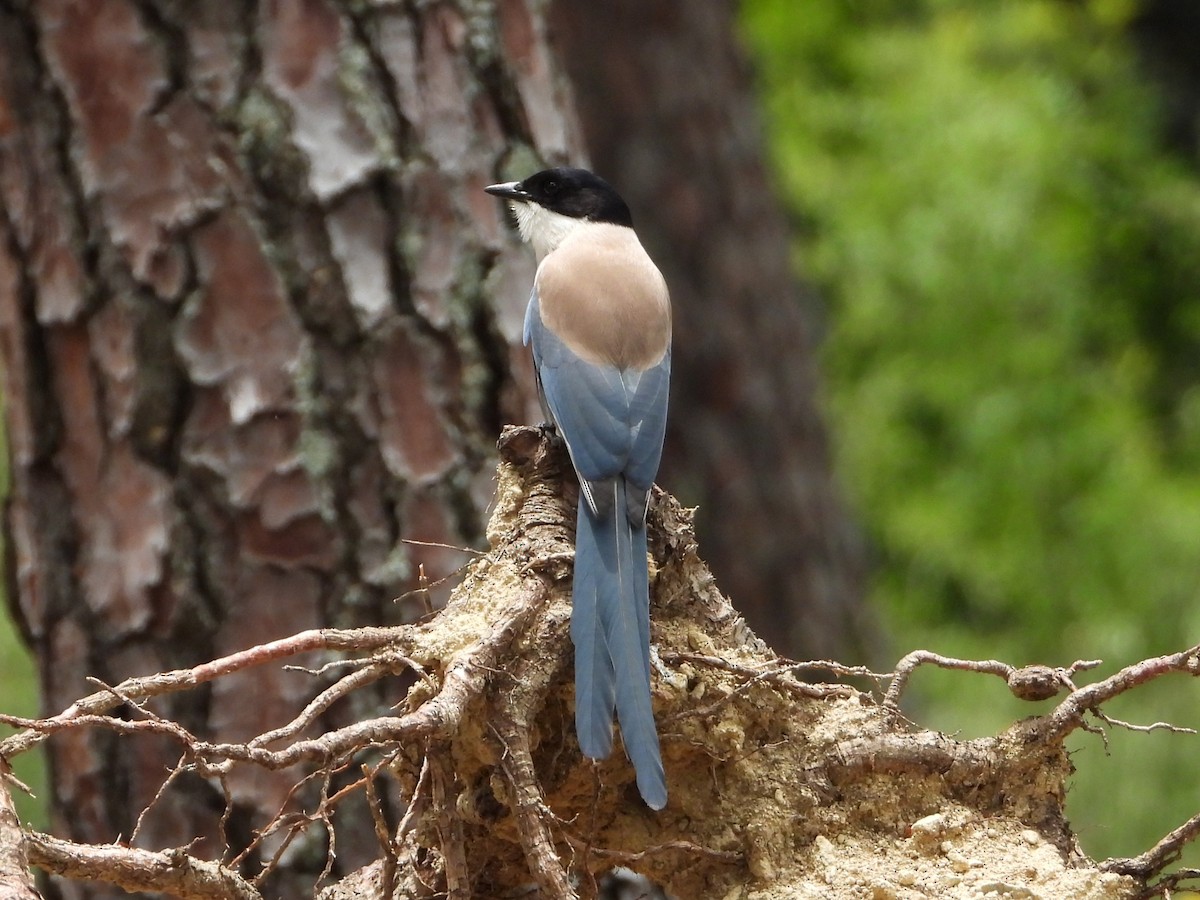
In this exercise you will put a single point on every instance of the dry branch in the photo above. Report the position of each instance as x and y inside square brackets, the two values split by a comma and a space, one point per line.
[1025, 682]
[357, 639]
[1069, 715]
[1163, 854]
[175, 872]
[775, 783]
[16, 883]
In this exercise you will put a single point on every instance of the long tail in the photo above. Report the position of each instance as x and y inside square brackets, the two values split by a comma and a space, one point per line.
[610, 626]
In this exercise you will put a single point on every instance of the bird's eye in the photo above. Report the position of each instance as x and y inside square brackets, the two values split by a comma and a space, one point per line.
[551, 187]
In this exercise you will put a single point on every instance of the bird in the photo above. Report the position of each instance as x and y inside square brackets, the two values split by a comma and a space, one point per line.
[599, 327]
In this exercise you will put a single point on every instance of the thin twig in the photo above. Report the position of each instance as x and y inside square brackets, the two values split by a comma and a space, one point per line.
[418, 803]
[627, 857]
[778, 674]
[1167, 851]
[1153, 726]
[181, 679]
[1025, 682]
[380, 667]
[780, 664]
[387, 880]
[440, 546]
[1069, 714]
[324, 814]
[178, 769]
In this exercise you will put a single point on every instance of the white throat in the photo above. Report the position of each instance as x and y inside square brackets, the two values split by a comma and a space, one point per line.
[544, 229]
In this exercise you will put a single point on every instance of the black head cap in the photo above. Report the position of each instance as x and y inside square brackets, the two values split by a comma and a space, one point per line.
[576, 193]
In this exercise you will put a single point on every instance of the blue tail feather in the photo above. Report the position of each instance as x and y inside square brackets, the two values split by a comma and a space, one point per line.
[595, 681]
[610, 626]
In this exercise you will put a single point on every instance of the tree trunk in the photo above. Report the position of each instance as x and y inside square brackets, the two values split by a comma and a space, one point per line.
[1166, 32]
[260, 324]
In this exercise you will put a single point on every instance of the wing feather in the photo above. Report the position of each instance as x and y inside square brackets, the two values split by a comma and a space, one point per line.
[613, 422]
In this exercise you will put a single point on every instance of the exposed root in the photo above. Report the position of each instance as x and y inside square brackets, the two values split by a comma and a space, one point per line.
[778, 787]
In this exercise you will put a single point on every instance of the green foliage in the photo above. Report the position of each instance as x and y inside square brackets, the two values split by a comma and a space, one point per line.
[18, 697]
[18, 691]
[1011, 263]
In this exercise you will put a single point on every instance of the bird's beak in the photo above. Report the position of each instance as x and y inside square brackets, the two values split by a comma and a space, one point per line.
[509, 190]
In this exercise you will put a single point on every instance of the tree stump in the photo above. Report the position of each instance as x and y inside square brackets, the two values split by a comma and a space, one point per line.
[779, 788]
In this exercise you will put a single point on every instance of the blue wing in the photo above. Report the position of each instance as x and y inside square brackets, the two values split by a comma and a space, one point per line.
[613, 421]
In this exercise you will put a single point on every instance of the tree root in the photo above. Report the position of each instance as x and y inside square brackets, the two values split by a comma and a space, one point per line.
[778, 788]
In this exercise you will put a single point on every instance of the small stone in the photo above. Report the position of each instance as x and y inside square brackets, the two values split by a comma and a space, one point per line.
[1031, 837]
[930, 826]
[1006, 890]
[758, 853]
[927, 831]
[958, 862]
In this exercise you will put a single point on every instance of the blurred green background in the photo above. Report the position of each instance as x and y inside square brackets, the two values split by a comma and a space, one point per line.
[18, 689]
[1008, 252]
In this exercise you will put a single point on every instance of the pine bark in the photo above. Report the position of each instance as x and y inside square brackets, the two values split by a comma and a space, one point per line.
[260, 323]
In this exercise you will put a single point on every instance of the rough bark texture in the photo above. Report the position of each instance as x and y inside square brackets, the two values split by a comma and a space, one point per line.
[671, 118]
[259, 323]
[16, 881]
